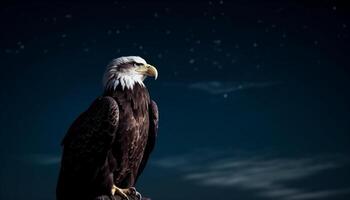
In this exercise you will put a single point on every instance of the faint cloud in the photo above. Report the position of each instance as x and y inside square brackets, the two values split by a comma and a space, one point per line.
[39, 159]
[178, 161]
[269, 177]
[217, 87]
[319, 194]
[181, 162]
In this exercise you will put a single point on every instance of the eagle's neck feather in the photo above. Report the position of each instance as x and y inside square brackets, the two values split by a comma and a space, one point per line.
[126, 81]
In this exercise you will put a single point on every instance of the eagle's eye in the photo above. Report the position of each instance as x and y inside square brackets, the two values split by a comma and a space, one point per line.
[137, 64]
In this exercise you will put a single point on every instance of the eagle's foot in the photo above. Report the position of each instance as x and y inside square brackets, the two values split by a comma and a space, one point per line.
[126, 194]
[120, 192]
[134, 193]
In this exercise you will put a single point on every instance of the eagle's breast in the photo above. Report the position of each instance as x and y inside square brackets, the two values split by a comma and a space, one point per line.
[132, 133]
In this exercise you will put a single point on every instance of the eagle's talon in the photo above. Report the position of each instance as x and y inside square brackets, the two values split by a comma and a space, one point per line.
[120, 192]
[138, 196]
[132, 191]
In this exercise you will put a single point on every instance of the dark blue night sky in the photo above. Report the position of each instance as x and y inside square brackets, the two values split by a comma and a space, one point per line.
[253, 95]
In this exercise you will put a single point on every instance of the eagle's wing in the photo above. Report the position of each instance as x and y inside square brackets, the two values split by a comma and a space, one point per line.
[152, 134]
[89, 139]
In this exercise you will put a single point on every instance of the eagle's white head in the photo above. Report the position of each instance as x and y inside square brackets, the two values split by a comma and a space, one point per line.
[127, 71]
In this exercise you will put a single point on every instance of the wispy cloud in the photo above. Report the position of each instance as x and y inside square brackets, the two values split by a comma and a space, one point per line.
[39, 159]
[217, 87]
[268, 176]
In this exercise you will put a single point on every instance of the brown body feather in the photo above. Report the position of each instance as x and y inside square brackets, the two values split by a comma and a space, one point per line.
[108, 144]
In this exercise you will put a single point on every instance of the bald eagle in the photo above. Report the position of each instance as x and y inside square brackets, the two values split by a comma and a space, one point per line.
[107, 147]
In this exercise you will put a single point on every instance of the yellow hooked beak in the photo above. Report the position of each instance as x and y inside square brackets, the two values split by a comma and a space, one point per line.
[148, 70]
